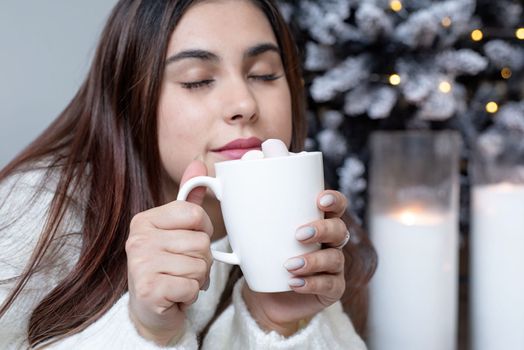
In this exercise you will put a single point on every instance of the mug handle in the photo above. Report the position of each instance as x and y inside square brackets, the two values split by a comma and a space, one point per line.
[214, 185]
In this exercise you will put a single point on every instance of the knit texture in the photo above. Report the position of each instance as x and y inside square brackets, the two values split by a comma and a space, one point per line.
[23, 215]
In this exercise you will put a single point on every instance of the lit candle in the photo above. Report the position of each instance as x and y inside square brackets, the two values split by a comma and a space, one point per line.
[497, 267]
[413, 294]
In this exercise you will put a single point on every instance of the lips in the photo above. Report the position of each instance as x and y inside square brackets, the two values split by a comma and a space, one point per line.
[237, 148]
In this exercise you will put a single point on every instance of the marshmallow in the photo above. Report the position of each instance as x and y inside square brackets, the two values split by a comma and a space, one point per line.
[274, 148]
[253, 154]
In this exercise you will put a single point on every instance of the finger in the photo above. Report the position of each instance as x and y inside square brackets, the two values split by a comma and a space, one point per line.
[194, 169]
[327, 231]
[165, 290]
[195, 244]
[192, 243]
[175, 265]
[321, 261]
[174, 215]
[329, 287]
[333, 203]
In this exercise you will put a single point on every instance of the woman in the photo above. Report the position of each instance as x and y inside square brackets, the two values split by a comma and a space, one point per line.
[96, 251]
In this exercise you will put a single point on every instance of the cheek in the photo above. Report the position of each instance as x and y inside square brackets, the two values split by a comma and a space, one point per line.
[176, 138]
[169, 146]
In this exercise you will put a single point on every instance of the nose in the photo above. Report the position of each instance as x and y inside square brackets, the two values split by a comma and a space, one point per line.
[240, 104]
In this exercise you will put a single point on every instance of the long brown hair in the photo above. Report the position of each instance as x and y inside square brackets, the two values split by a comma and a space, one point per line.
[105, 140]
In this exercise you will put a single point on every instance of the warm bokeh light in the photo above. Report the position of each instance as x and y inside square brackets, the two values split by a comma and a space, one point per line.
[444, 86]
[505, 186]
[492, 107]
[394, 79]
[506, 73]
[477, 35]
[408, 217]
[395, 5]
[519, 33]
[416, 214]
[446, 22]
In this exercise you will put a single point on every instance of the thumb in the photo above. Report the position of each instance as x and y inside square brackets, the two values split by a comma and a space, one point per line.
[195, 168]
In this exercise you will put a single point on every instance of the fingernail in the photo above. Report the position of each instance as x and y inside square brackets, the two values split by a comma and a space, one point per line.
[326, 200]
[296, 282]
[304, 233]
[206, 285]
[294, 263]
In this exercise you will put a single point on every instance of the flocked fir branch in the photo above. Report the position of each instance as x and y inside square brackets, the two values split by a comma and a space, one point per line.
[407, 64]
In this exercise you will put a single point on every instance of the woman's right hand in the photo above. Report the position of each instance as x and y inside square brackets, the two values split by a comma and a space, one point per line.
[168, 261]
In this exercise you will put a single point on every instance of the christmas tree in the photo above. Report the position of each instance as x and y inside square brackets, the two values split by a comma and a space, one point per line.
[407, 64]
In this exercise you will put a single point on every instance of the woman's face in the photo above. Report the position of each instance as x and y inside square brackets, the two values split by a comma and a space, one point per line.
[224, 81]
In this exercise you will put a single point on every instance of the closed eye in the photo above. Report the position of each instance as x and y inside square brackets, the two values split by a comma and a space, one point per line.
[197, 84]
[265, 77]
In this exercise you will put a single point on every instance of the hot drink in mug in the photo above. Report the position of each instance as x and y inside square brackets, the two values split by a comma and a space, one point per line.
[265, 197]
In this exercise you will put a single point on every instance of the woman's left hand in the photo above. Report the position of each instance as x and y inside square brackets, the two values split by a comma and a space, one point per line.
[318, 276]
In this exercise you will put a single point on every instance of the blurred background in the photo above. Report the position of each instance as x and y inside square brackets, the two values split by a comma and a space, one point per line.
[45, 51]
[408, 65]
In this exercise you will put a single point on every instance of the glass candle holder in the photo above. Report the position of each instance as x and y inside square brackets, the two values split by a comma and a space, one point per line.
[413, 224]
[497, 243]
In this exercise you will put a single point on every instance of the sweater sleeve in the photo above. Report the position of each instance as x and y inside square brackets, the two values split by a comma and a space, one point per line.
[236, 329]
[24, 205]
[115, 330]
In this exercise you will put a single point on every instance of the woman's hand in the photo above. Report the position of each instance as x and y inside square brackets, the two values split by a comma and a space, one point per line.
[168, 260]
[319, 276]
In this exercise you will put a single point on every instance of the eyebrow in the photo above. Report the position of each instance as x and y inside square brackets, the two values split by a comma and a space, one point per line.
[198, 54]
[260, 49]
[209, 56]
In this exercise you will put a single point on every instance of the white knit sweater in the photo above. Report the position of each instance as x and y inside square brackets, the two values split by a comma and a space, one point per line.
[234, 329]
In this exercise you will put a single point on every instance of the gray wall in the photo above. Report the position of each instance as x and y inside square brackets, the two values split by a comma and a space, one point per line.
[45, 51]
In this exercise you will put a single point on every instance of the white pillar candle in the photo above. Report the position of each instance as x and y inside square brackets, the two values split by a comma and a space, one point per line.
[497, 267]
[413, 294]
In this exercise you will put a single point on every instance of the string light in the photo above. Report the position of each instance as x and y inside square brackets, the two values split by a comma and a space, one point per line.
[446, 22]
[492, 107]
[444, 86]
[396, 5]
[519, 33]
[506, 73]
[394, 79]
[477, 35]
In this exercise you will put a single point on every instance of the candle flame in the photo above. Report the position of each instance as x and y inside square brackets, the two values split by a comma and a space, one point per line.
[408, 217]
[417, 215]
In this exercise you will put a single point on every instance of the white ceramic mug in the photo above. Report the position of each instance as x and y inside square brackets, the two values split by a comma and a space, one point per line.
[263, 203]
